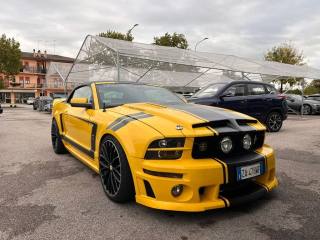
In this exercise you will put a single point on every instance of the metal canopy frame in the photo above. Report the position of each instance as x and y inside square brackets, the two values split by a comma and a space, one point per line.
[105, 59]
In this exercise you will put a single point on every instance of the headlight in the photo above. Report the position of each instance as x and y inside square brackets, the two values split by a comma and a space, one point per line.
[226, 144]
[167, 143]
[246, 142]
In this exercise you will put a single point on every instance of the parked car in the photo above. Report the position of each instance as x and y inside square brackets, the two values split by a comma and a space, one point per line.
[149, 145]
[41, 103]
[309, 106]
[58, 95]
[256, 99]
[30, 100]
[315, 97]
[1, 110]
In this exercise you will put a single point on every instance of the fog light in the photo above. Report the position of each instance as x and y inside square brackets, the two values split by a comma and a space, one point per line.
[247, 142]
[203, 146]
[226, 144]
[177, 190]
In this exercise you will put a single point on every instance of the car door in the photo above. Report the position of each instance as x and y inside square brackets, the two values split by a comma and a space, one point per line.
[234, 98]
[77, 125]
[294, 102]
[258, 102]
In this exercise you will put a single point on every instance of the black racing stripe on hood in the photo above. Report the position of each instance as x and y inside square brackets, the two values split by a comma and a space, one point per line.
[219, 119]
[124, 120]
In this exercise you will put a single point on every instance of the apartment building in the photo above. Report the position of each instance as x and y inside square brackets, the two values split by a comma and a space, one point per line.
[30, 82]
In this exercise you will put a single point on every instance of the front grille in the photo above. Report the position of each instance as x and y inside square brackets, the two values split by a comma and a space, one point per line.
[241, 193]
[213, 144]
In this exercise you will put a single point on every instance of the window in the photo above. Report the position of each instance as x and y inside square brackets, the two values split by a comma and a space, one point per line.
[118, 94]
[21, 79]
[209, 91]
[256, 89]
[270, 89]
[235, 90]
[27, 80]
[83, 92]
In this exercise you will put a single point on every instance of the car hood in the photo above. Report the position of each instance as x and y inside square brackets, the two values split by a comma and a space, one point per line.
[311, 101]
[188, 119]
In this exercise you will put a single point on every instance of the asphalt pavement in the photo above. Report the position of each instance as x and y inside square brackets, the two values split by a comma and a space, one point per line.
[49, 196]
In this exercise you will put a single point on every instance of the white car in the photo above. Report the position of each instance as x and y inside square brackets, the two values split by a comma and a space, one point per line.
[30, 100]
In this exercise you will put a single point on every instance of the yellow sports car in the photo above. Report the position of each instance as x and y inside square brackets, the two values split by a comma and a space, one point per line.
[148, 143]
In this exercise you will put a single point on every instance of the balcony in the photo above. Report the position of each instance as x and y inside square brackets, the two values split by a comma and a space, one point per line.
[25, 85]
[35, 70]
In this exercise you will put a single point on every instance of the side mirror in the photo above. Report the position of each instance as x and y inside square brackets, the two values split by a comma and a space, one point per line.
[228, 94]
[80, 102]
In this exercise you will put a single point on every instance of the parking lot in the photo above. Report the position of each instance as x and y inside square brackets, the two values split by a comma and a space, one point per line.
[49, 196]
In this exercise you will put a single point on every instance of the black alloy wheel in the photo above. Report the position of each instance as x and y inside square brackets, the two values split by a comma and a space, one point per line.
[274, 122]
[306, 109]
[115, 173]
[57, 144]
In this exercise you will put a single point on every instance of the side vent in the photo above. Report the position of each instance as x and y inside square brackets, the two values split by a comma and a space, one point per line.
[149, 190]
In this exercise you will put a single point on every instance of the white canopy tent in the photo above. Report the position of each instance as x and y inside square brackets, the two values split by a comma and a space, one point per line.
[105, 59]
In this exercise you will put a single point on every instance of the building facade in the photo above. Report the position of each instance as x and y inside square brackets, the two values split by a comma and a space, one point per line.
[30, 82]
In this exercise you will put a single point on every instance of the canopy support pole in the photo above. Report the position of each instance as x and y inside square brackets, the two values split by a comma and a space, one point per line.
[118, 66]
[144, 74]
[302, 95]
[197, 77]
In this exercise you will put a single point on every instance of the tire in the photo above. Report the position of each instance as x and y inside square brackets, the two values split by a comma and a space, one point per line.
[57, 144]
[34, 107]
[307, 110]
[114, 170]
[274, 122]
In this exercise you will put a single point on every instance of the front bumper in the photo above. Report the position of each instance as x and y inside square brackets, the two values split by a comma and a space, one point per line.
[207, 183]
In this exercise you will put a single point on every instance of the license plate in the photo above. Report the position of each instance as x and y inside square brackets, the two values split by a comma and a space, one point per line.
[250, 171]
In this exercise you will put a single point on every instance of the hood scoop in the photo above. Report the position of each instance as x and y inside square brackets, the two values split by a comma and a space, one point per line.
[228, 125]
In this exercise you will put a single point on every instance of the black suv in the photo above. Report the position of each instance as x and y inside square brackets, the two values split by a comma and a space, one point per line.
[257, 99]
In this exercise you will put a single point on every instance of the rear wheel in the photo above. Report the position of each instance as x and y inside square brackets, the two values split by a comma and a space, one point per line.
[57, 144]
[274, 122]
[114, 171]
[306, 110]
[34, 107]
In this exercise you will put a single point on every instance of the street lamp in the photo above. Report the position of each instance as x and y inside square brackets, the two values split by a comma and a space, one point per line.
[129, 31]
[195, 47]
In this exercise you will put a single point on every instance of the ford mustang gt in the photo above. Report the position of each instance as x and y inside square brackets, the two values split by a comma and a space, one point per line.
[147, 143]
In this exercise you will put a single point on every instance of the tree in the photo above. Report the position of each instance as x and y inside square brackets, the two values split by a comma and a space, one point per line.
[285, 53]
[10, 55]
[313, 87]
[117, 35]
[174, 40]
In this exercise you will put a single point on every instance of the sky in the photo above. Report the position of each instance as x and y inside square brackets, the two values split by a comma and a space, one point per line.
[245, 28]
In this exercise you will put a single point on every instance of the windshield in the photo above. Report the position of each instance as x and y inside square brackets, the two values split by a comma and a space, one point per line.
[111, 95]
[209, 91]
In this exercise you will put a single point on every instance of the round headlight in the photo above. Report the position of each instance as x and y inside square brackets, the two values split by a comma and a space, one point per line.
[247, 142]
[226, 144]
[163, 143]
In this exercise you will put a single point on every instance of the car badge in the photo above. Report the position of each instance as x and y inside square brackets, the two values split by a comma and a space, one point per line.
[179, 127]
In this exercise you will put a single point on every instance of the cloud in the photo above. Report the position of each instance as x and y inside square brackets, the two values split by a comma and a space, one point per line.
[240, 27]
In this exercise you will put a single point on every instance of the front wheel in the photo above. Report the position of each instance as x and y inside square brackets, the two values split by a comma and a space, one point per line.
[306, 110]
[115, 173]
[274, 122]
[57, 144]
